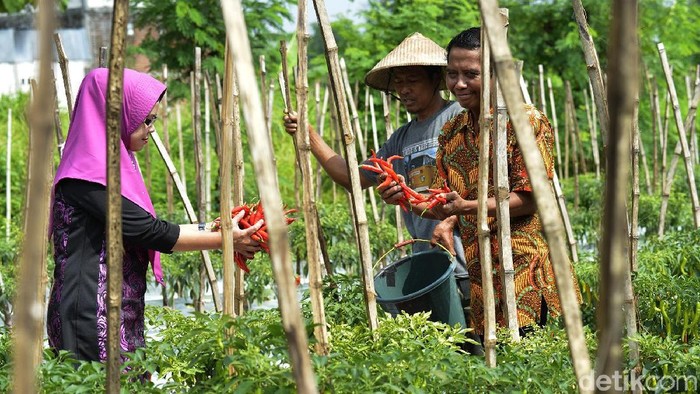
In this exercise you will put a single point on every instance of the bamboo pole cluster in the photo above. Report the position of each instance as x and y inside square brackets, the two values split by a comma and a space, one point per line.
[546, 203]
[617, 113]
[115, 243]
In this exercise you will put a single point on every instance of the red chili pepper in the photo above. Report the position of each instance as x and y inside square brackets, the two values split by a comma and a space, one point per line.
[392, 158]
[404, 243]
[240, 261]
[368, 167]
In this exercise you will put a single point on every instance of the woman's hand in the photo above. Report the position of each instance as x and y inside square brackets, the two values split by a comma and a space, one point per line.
[390, 192]
[243, 242]
[455, 205]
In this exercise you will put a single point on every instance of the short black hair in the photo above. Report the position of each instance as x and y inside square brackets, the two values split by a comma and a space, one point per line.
[467, 39]
[434, 71]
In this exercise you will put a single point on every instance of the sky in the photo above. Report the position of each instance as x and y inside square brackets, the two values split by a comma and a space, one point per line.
[335, 8]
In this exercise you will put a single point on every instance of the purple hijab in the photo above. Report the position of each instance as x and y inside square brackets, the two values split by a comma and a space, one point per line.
[85, 153]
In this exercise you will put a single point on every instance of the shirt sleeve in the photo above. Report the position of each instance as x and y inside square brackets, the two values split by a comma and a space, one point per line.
[544, 137]
[138, 226]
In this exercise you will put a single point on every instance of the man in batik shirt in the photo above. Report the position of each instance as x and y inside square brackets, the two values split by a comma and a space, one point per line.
[457, 162]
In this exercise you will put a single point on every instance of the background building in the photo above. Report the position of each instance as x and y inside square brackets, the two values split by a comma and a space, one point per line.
[84, 27]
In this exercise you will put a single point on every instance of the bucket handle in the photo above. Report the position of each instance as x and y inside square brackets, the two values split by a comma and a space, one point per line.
[408, 242]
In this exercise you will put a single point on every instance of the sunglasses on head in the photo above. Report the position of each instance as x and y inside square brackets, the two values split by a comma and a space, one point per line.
[150, 120]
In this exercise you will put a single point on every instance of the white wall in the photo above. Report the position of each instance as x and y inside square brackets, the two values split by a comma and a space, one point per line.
[15, 78]
[76, 71]
[99, 3]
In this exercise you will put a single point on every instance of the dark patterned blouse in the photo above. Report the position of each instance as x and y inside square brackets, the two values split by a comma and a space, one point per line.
[458, 164]
[77, 310]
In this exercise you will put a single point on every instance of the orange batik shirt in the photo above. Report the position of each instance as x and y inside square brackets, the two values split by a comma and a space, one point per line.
[457, 163]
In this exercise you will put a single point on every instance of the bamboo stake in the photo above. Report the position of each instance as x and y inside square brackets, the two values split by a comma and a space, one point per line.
[207, 148]
[8, 175]
[567, 138]
[199, 166]
[367, 120]
[681, 135]
[666, 187]
[319, 121]
[664, 152]
[594, 136]
[614, 263]
[544, 197]
[215, 110]
[261, 149]
[576, 152]
[148, 178]
[303, 144]
[103, 57]
[335, 146]
[34, 91]
[239, 299]
[645, 166]
[543, 101]
[389, 131]
[166, 141]
[268, 111]
[191, 215]
[561, 202]
[168, 180]
[320, 126]
[27, 338]
[691, 130]
[63, 63]
[180, 146]
[629, 304]
[357, 130]
[115, 243]
[351, 160]
[501, 187]
[594, 119]
[505, 254]
[555, 124]
[227, 153]
[263, 94]
[594, 72]
[577, 135]
[375, 137]
[655, 127]
[283, 78]
[484, 233]
[219, 93]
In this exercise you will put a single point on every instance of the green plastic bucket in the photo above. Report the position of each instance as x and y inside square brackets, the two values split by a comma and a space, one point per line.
[420, 283]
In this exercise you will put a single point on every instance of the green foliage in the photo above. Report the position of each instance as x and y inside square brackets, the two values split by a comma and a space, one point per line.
[661, 357]
[12, 6]
[176, 27]
[665, 285]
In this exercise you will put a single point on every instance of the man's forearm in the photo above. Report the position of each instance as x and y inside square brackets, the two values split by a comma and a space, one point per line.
[334, 164]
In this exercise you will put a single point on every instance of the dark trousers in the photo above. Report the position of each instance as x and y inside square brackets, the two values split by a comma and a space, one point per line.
[463, 287]
[464, 295]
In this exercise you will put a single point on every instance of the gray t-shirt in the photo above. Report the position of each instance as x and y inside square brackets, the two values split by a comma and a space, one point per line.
[417, 142]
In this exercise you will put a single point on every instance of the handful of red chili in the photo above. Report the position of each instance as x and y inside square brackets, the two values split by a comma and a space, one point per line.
[410, 196]
[253, 213]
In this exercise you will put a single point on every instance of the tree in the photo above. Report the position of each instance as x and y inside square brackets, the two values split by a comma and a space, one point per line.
[175, 27]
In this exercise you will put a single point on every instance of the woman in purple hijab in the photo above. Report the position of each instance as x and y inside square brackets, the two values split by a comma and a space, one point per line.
[77, 314]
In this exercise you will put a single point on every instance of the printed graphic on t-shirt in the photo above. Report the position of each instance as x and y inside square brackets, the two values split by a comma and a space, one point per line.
[419, 161]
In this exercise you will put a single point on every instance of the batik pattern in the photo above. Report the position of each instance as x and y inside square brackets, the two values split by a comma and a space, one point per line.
[458, 164]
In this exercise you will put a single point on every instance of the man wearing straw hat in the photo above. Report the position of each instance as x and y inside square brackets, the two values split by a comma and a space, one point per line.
[413, 71]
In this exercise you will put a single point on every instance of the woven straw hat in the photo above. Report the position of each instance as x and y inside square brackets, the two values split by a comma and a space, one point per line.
[414, 50]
